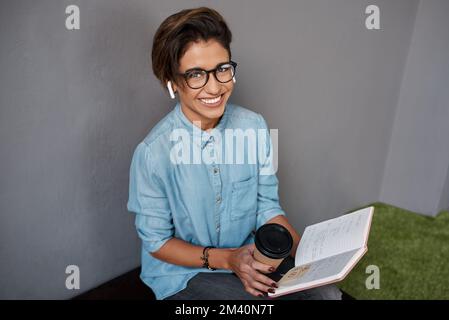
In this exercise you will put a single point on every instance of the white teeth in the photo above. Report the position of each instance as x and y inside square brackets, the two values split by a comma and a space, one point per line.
[211, 101]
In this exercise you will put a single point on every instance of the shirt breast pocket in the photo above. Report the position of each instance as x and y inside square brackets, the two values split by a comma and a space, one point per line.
[244, 198]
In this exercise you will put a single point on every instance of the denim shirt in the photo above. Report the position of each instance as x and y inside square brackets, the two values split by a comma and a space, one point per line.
[211, 202]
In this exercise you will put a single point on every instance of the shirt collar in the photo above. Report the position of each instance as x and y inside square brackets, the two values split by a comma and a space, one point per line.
[200, 136]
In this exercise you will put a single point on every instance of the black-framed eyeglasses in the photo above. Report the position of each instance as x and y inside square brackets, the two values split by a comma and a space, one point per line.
[197, 78]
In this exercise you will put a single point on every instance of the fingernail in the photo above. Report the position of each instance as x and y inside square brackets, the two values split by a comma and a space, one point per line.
[274, 285]
[261, 295]
[271, 290]
[271, 269]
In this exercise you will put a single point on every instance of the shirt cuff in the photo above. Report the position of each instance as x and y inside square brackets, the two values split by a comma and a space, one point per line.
[153, 246]
[264, 217]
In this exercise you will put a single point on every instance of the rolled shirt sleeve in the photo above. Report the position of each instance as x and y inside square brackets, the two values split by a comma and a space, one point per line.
[147, 199]
[267, 196]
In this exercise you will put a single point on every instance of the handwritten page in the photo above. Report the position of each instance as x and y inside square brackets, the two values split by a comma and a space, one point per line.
[333, 237]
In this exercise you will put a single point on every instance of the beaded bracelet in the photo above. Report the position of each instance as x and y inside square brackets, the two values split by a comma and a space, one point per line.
[205, 258]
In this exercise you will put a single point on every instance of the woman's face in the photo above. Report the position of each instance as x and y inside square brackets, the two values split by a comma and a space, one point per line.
[204, 55]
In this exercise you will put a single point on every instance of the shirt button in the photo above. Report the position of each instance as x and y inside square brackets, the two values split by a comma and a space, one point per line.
[218, 228]
[216, 170]
[218, 199]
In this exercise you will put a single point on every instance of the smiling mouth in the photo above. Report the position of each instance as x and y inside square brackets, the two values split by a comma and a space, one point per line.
[214, 102]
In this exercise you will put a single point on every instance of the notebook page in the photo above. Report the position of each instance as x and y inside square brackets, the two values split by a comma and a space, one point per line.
[324, 268]
[335, 236]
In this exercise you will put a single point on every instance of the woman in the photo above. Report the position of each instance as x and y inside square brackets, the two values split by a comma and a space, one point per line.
[196, 218]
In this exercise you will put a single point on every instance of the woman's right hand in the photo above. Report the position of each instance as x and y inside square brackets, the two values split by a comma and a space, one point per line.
[250, 271]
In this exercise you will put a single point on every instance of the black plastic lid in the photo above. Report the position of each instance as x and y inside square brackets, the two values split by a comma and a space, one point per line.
[274, 241]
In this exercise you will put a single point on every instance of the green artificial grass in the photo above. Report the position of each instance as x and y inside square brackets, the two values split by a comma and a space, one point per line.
[412, 253]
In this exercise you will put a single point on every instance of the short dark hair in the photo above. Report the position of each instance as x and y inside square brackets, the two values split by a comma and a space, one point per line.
[179, 30]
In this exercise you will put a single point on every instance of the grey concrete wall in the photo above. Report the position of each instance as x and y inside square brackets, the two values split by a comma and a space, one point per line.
[444, 200]
[74, 104]
[331, 87]
[418, 160]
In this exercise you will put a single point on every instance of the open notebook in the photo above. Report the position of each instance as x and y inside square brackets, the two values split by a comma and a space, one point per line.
[327, 252]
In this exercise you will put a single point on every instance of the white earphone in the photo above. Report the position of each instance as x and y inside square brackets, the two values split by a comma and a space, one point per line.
[170, 90]
[233, 79]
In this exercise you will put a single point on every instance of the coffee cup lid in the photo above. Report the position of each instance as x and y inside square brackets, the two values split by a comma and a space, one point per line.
[274, 241]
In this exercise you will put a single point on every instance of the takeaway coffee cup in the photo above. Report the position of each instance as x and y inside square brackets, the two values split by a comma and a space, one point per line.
[273, 244]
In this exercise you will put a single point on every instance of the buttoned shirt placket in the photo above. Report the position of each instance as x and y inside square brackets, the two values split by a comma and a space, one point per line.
[216, 181]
